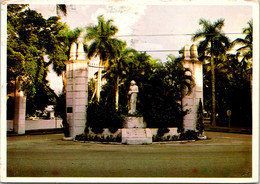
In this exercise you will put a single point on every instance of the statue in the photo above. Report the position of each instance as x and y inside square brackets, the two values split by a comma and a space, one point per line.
[133, 90]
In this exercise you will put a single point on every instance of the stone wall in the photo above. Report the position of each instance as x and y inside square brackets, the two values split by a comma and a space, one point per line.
[173, 131]
[106, 132]
[37, 124]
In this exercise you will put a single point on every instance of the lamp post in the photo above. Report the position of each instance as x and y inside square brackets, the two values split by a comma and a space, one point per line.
[229, 116]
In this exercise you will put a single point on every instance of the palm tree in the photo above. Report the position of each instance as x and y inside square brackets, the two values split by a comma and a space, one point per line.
[248, 46]
[247, 42]
[140, 64]
[177, 76]
[214, 43]
[61, 8]
[66, 37]
[103, 45]
[118, 68]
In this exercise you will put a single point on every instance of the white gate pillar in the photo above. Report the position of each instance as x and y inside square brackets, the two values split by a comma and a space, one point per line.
[192, 101]
[77, 90]
[19, 113]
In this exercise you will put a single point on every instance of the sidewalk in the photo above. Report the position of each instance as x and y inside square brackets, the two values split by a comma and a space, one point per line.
[238, 130]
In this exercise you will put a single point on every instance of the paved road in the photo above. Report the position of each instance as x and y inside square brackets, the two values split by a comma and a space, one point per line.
[223, 155]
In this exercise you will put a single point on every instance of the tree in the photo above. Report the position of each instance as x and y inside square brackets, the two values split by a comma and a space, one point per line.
[30, 39]
[115, 73]
[26, 45]
[58, 54]
[247, 42]
[214, 44]
[163, 86]
[65, 38]
[233, 84]
[61, 8]
[179, 79]
[103, 45]
[199, 121]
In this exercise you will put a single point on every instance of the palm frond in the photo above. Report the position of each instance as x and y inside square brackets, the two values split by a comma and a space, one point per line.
[61, 8]
[219, 24]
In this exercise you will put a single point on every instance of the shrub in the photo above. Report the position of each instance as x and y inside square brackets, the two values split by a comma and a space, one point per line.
[168, 137]
[80, 137]
[103, 115]
[162, 131]
[97, 130]
[119, 138]
[189, 135]
[113, 129]
[175, 137]
[199, 123]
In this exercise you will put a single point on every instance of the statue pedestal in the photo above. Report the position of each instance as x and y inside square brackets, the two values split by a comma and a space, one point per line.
[134, 131]
[136, 136]
[134, 122]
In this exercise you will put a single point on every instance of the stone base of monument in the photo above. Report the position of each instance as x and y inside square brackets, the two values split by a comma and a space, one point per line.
[136, 136]
[134, 122]
[67, 138]
[135, 131]
[202, 137]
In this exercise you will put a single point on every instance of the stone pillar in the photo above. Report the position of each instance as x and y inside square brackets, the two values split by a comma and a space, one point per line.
[77, 91]
[192, 101]
[73, 51]
[19, 113]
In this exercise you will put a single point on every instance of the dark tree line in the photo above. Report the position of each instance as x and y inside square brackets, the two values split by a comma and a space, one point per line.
[227, 77]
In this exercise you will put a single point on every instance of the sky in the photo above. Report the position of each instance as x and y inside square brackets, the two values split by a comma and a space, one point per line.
[159, 28]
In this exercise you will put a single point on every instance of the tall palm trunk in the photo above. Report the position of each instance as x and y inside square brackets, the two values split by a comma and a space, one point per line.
[64, 116]
[64, 82]
[117, 92]
[181, 126]
[99, 80]
[213, 89]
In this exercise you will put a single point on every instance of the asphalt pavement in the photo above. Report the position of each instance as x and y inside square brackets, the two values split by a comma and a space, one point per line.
[223, 155]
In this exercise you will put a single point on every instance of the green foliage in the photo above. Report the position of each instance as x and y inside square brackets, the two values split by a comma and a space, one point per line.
[247, 42]
[101, 115]
[199, 122]
[10, 108]
[44, 96]
[97, 130]
[189, 135]
[161, 86]
[232, 76]
[30, 38]
[167, 84]
[162, 131]
[113, 129]
[61, 8]
[214, 42]
[214, 45]
[100, 138]
[233, 90]
[103, 45]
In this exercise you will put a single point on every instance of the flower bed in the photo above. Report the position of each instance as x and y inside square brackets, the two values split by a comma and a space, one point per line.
[105, 136]
[157, 135]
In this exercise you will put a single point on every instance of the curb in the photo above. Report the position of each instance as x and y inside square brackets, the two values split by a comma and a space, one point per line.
[38, 132]
[228, 130]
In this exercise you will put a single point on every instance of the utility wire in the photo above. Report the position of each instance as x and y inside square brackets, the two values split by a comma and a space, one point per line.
[166, 50]
[176, 34]
[171, 34]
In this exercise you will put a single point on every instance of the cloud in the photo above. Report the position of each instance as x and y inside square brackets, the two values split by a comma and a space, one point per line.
[124, 15]
[55, 82]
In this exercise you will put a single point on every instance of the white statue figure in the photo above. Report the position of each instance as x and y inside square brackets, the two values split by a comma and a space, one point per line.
[133, 90]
